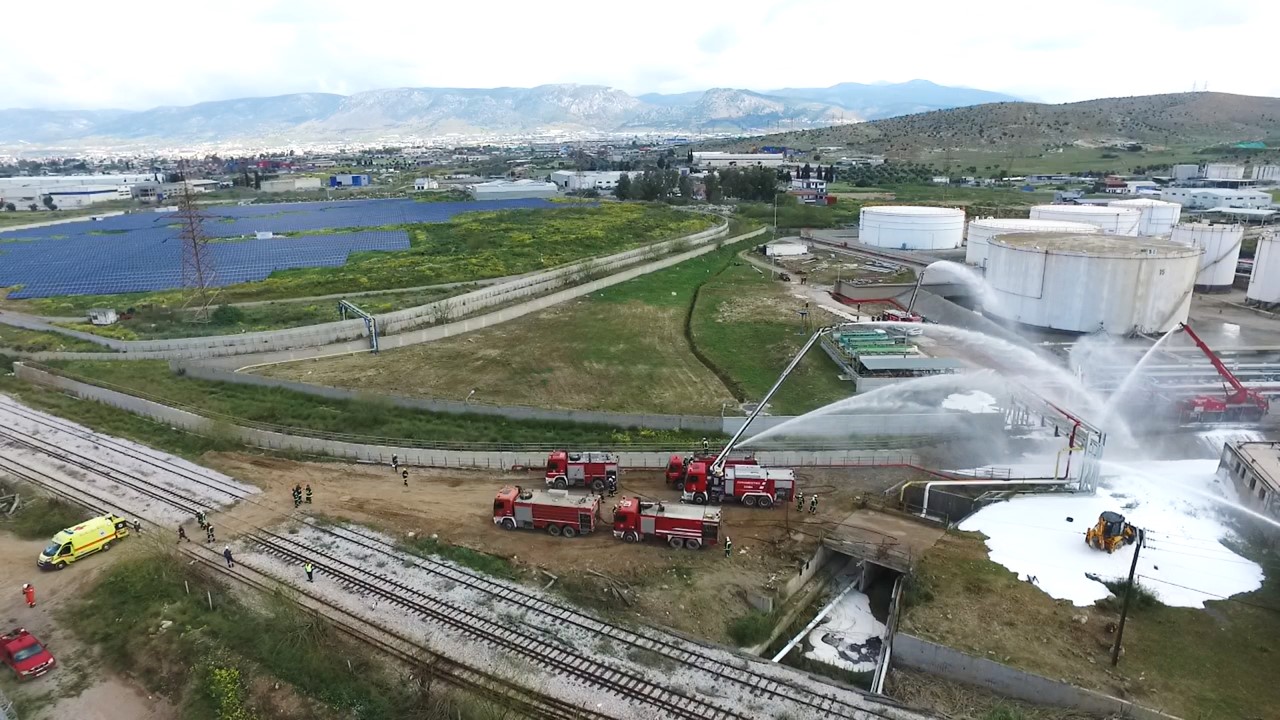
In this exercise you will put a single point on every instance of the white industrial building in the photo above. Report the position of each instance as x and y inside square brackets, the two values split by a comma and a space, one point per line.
[66, 198]
[785, 248]
[290, 184]
[573, 180]
[1186, 172]
[1091, 283]
[423, 184]
[724, 159]
[513, 190]
[1265, 172]
[1222, 171]
[819, 186]
[1210, 198]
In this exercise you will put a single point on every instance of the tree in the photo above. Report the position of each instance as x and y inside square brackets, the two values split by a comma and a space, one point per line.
[33, 207]
[690, 157]
[711, 183]
[685, 185]
[48, 202]
[662, 162]
[622, 190]
[806, 172]
[257, 180]
[10, 207]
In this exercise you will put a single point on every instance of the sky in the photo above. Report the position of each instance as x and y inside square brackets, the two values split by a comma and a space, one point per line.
[91, 54]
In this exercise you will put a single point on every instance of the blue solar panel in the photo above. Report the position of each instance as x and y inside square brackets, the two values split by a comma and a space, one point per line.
[141, 252]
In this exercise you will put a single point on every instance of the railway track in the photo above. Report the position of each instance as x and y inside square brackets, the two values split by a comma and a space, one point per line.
[722, 666]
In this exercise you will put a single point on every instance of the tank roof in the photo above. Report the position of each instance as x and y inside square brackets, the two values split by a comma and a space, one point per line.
[1035, 223]
[1117, 246]
[1087, 209]
[1141, 202]
[912, 210]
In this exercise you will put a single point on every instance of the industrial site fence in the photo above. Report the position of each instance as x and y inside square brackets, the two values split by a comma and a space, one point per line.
[294, 440]
[441, 311]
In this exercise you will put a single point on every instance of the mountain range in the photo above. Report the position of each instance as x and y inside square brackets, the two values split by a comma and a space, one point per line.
[436, 112]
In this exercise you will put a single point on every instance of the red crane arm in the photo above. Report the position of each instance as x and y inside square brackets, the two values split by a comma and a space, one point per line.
[1240, 390]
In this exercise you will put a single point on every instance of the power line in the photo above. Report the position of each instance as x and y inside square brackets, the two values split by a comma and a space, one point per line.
[1214, 595]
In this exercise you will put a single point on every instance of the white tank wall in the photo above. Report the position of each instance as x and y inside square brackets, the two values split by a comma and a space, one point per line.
[1083, 293]
[1221, 244]
[1158, 217]
[981, 230]
[1264, 283]
[911, 227]
[1113, 220]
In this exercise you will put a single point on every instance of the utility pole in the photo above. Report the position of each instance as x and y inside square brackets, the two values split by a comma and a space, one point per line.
[1128, 597]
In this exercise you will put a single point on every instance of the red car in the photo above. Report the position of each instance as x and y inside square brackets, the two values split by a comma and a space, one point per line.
[21, 651]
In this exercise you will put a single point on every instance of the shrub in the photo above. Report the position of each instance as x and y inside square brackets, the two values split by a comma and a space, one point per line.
[751, 629]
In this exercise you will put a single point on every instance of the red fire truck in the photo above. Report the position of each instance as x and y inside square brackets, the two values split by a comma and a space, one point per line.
[680, 525]
[678, 467]
[556, 511]
[581, 469]
[752, 485]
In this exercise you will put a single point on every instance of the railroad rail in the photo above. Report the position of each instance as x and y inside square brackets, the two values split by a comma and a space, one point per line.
[630, 685]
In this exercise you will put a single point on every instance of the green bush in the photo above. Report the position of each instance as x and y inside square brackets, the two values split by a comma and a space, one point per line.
[226, 315]
[474, 559]
[40, 518]
[751, 629]
[1143, 596]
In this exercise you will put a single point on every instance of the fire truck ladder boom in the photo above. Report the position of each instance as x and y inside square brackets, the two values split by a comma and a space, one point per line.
[733, 441]
[370, 322]
[1241, 392]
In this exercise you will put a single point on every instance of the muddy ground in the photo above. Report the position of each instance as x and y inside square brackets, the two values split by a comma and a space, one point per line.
[695, 592]
[81, 687]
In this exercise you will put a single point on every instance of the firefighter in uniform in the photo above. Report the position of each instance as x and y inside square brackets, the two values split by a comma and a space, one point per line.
[813, 504]
[728, 546]
[612, 483]
[799, 502]
[308, 493]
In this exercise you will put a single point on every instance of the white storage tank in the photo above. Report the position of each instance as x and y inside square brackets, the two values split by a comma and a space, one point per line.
[1090, 283]
[1221, 244]
[1114, 220]
[911, 227]
[1264, 281]
[1158, 216]
[981, 231]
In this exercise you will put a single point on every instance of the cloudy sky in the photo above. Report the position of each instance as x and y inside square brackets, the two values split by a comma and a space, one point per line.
[92, 54]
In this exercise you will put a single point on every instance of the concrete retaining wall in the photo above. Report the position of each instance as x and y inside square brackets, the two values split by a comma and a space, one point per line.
[534, 457]
[918, 654]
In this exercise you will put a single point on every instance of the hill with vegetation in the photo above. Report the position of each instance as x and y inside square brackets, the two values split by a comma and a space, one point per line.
[1200, 119]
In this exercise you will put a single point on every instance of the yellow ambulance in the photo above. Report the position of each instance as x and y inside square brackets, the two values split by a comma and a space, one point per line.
[88, 537]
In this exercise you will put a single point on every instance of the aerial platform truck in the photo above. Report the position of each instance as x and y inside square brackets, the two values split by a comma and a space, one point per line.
[1239, 404]
[752, 485]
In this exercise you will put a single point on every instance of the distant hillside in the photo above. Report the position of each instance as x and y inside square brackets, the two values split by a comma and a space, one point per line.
[1201, 119]
[426, 112]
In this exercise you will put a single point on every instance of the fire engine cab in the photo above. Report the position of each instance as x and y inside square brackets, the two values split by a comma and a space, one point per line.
[752, 485]
[586, 469]
[678, 467]
[680, 525]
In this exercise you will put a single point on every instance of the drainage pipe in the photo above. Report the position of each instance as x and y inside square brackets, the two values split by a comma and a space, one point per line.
[814, 623]
[924, 503]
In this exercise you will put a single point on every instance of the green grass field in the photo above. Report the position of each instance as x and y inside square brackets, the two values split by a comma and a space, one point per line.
[471, 246]
[622, 349]
[371, 418]
[1190, 662]
[748, 326]
[23, 340]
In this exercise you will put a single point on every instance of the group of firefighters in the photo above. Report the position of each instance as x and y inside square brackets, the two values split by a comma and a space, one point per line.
[298, 495]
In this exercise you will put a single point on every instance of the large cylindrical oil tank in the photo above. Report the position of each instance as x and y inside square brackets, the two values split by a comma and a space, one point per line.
[1158, 216]
[981, 230]
[1221, 244]
[911, 227]
[1114, 220]
[1264, 282]
[1090, 283]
